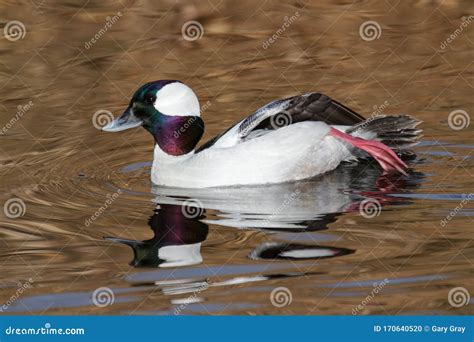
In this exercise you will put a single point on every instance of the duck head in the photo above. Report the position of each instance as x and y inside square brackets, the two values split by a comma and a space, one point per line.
[176, 242]
[169, 110]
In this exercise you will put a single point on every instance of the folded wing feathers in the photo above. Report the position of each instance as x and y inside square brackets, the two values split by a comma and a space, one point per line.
[395, 131]
[307, 107]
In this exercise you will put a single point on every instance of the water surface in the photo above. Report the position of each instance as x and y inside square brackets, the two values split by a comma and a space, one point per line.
[92, 220]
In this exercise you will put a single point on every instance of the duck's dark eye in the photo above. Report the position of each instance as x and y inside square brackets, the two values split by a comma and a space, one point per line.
[150, 98]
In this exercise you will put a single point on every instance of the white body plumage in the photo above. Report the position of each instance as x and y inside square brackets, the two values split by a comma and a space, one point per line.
[294, 152]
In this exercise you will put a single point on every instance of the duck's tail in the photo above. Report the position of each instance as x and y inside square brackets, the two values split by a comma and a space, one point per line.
[381, 137]
[398, 132]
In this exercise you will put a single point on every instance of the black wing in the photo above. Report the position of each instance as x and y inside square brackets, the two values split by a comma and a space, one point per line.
[280, 113]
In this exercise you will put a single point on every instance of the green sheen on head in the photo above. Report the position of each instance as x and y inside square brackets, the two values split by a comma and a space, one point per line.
[169, 110]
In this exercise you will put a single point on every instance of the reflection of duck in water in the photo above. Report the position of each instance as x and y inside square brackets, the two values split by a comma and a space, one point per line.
[180, 226]
[179, 232]
[176, 242]
[305, 205]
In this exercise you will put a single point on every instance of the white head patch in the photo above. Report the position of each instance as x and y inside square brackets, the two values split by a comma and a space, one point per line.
[177, 99]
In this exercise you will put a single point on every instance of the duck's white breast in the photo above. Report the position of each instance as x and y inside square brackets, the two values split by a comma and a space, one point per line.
[298, 151]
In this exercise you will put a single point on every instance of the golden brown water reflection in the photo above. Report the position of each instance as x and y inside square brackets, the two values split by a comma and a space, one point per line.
[243, 245]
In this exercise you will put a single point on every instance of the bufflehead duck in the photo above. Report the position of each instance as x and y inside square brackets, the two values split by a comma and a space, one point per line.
[286, 140]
